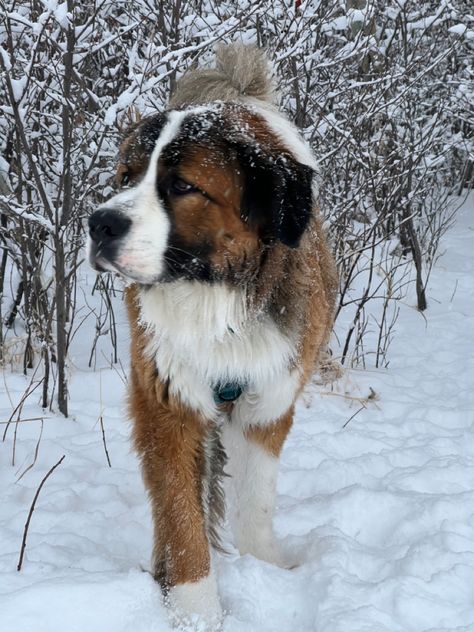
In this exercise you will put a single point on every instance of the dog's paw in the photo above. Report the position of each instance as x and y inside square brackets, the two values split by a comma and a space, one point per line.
[195, 607]
[268, 549]
[196, 623]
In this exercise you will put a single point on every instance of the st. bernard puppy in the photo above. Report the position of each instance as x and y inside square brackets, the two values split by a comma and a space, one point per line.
[230, 298]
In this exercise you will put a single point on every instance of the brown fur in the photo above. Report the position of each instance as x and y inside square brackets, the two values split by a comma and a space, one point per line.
[272, 437]
[212, 216]
[233, 208]
[169, 439]
[169, 436]
[310, 275]
[296, 286]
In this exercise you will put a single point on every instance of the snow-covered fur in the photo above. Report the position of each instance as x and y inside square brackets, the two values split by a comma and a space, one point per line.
[232, 285]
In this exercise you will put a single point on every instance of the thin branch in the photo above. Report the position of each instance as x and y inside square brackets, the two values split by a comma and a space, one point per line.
[104, 441]
[32, 508]
[354, 415]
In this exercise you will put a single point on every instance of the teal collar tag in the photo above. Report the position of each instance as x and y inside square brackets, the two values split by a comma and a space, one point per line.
[227, 392]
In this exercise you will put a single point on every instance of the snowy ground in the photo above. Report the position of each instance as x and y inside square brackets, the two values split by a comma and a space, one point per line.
[380, 512]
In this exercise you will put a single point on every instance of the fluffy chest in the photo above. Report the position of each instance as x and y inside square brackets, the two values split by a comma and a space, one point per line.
[202, 336]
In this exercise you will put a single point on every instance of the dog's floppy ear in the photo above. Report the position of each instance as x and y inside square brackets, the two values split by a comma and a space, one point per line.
[277, 194]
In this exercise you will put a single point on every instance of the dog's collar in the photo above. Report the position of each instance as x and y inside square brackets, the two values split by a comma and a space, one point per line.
[227, 392]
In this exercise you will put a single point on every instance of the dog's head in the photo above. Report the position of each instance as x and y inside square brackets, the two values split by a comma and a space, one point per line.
[204, 192]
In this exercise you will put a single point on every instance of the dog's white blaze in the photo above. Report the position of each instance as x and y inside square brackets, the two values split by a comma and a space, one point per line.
[199, 600]
[141, 254]
[253, 473]
[202, 335]
[142, 250]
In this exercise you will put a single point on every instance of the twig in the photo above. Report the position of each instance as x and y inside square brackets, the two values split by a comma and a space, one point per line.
[352, 398]
[19, 406]
[454, 291]
[21, 421]
[101, 420]
[103, 441]
[32, 508]
[351, 418]
[35, 457]
[123, 376]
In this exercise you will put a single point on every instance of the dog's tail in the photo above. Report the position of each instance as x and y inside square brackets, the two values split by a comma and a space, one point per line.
[241, 71]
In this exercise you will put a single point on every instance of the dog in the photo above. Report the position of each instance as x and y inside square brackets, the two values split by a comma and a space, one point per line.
[230, 294]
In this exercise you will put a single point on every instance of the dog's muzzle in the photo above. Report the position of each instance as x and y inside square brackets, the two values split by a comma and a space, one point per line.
[107, 227]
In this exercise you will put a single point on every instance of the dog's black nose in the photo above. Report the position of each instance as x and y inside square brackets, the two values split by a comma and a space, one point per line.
[107, 224]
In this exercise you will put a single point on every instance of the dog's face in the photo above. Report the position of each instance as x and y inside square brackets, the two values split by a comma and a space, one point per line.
[204, 191]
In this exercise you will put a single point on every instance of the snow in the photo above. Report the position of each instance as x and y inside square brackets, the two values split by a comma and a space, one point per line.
[462, 30]
[375, 494]
[6, 59]
[124, 101]
[18, 87]
[62, 16]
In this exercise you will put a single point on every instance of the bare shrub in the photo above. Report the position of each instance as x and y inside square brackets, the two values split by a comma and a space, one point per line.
[379, 88]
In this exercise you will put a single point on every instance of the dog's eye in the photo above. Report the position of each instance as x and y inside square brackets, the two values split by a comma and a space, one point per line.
[179, 186]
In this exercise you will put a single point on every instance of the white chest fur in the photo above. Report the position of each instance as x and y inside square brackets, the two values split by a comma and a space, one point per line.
[202, 335]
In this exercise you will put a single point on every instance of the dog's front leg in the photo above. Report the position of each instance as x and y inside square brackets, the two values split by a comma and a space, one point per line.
[170, 443]
[253, 453]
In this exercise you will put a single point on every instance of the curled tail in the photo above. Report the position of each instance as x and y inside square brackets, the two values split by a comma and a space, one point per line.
[241, 70]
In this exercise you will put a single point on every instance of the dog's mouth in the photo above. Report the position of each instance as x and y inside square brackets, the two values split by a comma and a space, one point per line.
[99, 260]
[101, 263]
